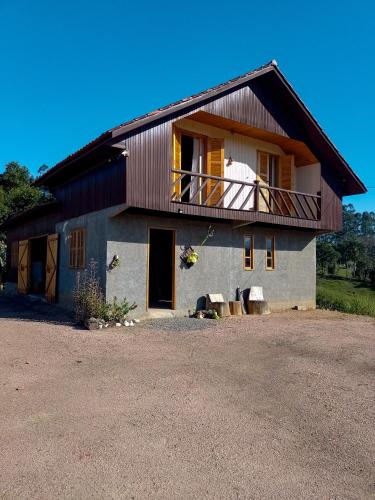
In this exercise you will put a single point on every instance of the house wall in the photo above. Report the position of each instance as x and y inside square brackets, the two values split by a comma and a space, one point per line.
[95, 224]
[308, 179]
[220, 265]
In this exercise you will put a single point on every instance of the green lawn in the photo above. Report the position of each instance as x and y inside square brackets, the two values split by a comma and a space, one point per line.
[344, 294]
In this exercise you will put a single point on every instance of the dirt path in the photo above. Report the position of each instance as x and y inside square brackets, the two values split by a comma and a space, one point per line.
[269, 407]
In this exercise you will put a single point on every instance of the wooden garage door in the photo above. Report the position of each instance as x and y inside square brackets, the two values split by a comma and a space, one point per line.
[23, 281]
[51, 266]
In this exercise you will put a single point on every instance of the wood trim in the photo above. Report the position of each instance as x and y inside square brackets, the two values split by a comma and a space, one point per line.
[273, 239]
[251, 252]
[173, 230]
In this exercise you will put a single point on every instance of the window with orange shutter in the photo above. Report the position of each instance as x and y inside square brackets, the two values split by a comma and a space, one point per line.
[77, 248]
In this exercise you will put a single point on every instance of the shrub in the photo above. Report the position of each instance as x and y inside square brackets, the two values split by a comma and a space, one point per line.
[87, 295]
[116, 311]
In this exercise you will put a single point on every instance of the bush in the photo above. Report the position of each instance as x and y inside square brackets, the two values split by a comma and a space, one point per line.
[89, 300]
[88, 297]
[116, 311]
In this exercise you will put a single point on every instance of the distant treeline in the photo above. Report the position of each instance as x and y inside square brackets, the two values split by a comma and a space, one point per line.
[353, 247]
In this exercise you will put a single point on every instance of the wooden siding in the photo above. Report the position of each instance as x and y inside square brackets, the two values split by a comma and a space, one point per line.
[331, 209]
[98, 188]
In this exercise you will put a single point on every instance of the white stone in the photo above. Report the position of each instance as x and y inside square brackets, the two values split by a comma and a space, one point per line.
[126, 323]
[137, 321]
[131, 323]
[118, 324]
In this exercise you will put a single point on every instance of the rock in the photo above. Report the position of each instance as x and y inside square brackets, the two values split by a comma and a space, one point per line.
[92, 324]
[100, 326]
[131, 323]
[127, 323]
[106, 325]
[118, 324]
[137, 321]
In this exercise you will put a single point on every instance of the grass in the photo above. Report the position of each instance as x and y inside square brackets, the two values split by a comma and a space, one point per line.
[344, 294]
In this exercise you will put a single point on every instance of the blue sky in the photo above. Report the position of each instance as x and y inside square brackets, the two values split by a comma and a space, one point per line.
[70, 70]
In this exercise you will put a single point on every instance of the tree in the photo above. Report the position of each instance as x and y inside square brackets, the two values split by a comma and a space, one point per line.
[16, 194]
[16, 190]
[327, 257]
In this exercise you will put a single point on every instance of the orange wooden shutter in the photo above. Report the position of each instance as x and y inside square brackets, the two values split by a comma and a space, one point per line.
[287, 179]
[215, 166]
[176, 159]
[23, 267]
[51, 267]
[263, 174]
[286, 172]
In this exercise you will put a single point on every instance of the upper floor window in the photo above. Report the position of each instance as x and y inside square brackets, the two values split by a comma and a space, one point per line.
[268, 168]
[248, 252]
[198, 154]
[270, 253]
[14, 255]
[77, 248]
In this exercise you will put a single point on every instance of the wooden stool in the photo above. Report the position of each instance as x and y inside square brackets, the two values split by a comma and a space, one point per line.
[222, 308]
[235, 307]
[258, 307]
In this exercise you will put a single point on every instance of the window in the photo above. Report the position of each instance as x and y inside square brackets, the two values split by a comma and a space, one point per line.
[197, 154]
[14, 255]
[248, 253]
[270, 253]
[77, 249]
[268, 168]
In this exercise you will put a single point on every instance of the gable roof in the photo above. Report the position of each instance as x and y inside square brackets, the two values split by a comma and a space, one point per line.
[354, 184]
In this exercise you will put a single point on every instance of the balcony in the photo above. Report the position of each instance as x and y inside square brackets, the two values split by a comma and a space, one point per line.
[209, 191]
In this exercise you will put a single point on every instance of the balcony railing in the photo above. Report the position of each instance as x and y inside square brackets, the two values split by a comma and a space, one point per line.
[231, 194]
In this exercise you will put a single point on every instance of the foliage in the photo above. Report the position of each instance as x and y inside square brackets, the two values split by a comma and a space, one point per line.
[88, 297]
[116, 311]
[16, 194]
[3, 258]
[353, 247]
[89, 300]
[192, 257]
[346, 295]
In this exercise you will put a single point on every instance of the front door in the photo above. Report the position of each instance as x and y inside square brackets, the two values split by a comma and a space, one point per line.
[161, 264]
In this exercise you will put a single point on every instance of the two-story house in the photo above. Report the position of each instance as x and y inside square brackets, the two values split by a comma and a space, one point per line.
[246, 158]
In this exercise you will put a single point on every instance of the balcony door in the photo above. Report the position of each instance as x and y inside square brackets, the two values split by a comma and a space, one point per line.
[268, 176]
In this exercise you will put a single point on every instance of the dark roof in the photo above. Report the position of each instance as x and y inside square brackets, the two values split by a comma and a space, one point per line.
[137, 122]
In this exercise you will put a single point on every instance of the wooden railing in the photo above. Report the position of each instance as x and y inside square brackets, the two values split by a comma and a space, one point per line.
[219, 192]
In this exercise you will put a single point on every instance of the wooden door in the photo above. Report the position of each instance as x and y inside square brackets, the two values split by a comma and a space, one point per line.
[215, 166]
[51, 267]
[23, 282]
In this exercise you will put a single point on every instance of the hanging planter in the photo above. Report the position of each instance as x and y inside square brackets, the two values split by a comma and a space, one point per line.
[189, 256]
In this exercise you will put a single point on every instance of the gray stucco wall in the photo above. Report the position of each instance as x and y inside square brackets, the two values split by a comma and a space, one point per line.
[220, 265]
[95, 225]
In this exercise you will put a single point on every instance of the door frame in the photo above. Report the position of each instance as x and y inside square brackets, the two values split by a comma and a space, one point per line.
[173, 230]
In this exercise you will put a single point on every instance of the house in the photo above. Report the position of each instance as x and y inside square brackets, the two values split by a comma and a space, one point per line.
[245, 158]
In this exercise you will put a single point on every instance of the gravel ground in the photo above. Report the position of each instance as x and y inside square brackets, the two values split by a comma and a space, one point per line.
[276, 407]
[179, 324]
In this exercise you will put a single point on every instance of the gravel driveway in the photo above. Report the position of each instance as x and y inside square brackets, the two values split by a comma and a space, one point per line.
[277, 407]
